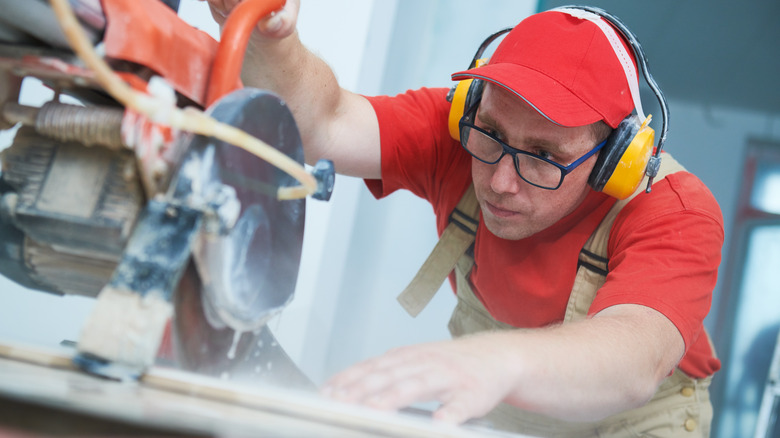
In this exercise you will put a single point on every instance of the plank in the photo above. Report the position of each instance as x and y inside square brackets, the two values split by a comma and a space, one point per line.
[187, 403]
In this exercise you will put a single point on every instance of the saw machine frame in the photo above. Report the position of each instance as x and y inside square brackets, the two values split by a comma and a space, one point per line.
[123, 192]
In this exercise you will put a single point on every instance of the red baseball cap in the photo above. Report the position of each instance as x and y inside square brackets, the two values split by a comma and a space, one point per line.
[564, 67]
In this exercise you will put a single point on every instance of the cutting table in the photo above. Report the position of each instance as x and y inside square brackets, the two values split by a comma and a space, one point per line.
[43, 394]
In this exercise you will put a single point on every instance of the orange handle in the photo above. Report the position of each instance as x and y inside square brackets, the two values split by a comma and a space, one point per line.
[226, 71]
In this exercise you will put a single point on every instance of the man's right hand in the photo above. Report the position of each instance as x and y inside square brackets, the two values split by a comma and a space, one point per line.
[279, 24]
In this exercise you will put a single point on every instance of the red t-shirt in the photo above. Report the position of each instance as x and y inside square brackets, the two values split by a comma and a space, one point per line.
[664, 247]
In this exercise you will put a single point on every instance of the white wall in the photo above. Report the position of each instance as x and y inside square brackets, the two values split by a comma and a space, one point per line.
[352, 36]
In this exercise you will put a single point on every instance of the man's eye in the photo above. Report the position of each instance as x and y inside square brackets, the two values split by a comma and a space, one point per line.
[544, 154]
[493, 132]
[498, 135]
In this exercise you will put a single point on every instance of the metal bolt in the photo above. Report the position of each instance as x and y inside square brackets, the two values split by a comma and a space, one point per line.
[325, 173]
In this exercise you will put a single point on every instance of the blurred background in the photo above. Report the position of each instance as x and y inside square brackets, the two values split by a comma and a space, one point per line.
[716, 61]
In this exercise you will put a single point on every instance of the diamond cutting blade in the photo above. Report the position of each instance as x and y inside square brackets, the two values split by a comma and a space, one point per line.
[252, 357]
[245, 260]
[248, 259]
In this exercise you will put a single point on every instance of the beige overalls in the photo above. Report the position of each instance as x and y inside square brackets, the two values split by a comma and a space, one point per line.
[680, 408]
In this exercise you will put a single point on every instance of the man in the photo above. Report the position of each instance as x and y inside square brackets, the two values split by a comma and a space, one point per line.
[543, 346]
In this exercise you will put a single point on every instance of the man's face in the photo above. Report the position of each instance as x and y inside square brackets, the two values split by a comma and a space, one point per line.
[512, 208]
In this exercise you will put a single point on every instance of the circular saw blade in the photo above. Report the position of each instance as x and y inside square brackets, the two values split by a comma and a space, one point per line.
[249, 272]
[253, 357]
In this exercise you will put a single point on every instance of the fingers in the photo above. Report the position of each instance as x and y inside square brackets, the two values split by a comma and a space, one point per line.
[466, 382]
[280, 23]
[378, 385]
[402, 378]
[371, 377]
[387, 382]
[277, 25]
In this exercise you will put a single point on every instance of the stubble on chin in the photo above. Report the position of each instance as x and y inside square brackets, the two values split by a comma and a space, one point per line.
[516, 228]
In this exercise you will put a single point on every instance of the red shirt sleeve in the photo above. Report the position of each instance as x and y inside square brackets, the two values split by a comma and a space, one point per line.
[418, 153]
[665, 249]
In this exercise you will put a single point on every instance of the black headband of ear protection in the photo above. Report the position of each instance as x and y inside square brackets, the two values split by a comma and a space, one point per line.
[485, 44]
[641, 60]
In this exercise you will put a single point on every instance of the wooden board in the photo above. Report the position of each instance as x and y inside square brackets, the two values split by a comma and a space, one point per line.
[173, 402]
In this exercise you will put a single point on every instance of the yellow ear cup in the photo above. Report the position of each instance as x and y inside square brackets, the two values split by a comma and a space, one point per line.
[462, 98]
[458, 107]
[630, 170]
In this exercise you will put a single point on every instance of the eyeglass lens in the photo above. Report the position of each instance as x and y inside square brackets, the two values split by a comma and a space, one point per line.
[530, 168]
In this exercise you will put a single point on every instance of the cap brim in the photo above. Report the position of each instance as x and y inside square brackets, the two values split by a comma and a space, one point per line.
[547, 96]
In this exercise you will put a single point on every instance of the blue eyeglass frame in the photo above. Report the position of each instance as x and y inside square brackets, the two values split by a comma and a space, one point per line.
[565, 170]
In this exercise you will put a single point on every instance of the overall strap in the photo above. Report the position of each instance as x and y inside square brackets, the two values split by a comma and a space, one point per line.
[460, 234]
[592, 265]
[456, 239]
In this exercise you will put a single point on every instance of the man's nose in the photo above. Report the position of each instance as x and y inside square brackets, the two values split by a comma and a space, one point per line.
[505, 178]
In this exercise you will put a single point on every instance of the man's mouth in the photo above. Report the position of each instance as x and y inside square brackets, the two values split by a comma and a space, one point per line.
[499, 212]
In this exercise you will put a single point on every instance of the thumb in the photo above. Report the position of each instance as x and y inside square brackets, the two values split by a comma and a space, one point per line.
[280, 23]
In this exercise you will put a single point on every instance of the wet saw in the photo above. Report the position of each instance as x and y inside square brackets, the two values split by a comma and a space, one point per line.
[154, 182]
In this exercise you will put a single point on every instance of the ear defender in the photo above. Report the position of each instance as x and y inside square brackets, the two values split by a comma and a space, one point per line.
[620, 166]
[459, 93]
[628, 154]
[462, 96]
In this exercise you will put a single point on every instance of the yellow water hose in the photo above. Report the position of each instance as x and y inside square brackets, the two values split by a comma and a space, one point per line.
[188, 119]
